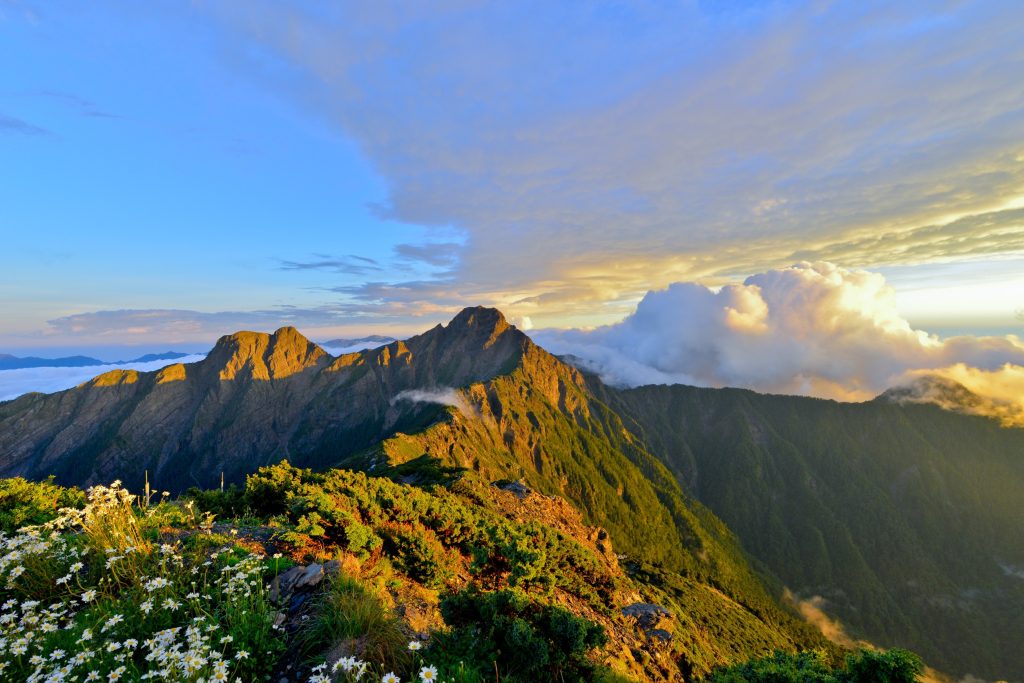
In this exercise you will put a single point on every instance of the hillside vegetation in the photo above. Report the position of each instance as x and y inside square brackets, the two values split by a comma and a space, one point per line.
[906, 519]
[447, 580]
[903, 520]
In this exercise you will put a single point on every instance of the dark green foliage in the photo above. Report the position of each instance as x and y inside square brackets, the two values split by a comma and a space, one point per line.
[423, 471]
[864, 666]
[894, 666]
[223, 504]
[906, 518]
[528, 640]
[426, 530]
[419, 553]
[23, 503]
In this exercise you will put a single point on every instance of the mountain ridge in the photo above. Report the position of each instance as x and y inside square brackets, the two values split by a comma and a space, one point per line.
[688, 481]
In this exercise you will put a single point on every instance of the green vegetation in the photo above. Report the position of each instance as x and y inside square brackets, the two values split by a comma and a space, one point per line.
[26, 502]
[125, 590]
[521, 638]
[905, 518]
[863, 666]
[92, 595]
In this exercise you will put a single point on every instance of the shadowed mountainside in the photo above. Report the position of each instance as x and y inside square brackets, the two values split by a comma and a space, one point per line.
[905, 517]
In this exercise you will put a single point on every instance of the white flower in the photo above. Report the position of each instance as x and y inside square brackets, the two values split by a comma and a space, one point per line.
[89, 595]
[415, 645]
[391, 677]
[428, 673]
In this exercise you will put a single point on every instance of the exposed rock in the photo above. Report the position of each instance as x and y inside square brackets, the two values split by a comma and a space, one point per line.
[313, 575]
[520, 489]
[650, 618]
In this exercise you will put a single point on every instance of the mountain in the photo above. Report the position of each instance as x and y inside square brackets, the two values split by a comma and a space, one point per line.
[9, 362]
[901, 518]
[150, 357]
[373, 339]
[520, 414]
[904, 517]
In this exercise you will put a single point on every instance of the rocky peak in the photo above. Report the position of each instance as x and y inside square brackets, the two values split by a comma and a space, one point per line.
[263, 356]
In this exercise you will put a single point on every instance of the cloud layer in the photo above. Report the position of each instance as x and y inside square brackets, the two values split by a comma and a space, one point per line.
[589, 154]
[14, 383]
[810, 329]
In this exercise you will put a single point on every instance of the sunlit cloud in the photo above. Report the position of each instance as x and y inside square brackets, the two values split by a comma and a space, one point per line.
[585, 171]
[810, 329]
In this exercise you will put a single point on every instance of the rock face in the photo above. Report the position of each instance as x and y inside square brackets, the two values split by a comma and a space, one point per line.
[255, 399]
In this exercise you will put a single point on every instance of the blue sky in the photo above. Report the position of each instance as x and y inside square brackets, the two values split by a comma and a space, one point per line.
[175, 171]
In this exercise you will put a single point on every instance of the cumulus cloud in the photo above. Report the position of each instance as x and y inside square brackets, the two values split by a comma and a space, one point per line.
[14, 383]
[444, 396]
[810, 329]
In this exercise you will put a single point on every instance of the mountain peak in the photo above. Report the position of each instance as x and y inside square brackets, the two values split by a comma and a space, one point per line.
[479, 323]
[479, 316]
[265, 356]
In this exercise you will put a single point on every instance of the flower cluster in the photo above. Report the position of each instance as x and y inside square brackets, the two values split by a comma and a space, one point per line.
[87, 597]
[355, 669]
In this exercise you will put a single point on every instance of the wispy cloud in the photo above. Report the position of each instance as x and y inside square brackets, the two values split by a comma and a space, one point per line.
[186, 325]
[440, 254]
[83, 106]
[12, 124]
[348, 265]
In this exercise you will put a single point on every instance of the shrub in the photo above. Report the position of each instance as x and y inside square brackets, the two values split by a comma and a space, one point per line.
[863, 666]
[24, 503]
[524, 639]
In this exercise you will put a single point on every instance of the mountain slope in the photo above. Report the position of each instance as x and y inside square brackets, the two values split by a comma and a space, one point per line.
[255, 399]
[906, 518]
[522, 414]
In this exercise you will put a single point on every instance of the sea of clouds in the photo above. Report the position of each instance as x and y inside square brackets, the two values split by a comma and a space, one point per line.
[14, 383]
[812, 329]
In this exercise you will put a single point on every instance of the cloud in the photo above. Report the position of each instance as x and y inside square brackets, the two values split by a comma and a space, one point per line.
[995, 393]
[12, 124]
[14, 383]
[587, 155]
[83, 106]
[813, 612]
[185, 325]
[440, 254]
[349, 265]
[810, 329]
[441, 396]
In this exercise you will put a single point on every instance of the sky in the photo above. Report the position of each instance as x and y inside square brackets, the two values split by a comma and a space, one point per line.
[175, 171]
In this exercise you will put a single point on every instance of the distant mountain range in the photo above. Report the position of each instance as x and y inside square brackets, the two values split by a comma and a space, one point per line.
[368, 341]
[899, 517]
[9, 362]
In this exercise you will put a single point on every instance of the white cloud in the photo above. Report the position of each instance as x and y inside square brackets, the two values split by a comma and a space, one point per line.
[810, 329]
[444, 396]
[14, 383]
